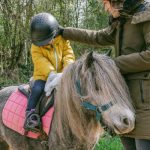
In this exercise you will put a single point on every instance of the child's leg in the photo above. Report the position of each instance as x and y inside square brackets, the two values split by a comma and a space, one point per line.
[32, 121]
[36, 92]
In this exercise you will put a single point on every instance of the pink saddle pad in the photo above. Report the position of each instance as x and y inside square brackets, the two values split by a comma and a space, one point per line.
[13, 115]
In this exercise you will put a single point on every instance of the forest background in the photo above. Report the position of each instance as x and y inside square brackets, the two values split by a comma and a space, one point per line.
[15, 60]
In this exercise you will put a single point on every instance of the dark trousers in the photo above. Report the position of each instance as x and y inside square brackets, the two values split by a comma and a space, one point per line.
[36, 93]
[135, 144]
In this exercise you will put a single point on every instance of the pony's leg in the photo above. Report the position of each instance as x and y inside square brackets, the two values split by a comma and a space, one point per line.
[3, 145]
[19, 142]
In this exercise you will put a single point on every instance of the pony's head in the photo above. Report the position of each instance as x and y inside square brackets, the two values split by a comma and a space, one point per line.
[92, 91]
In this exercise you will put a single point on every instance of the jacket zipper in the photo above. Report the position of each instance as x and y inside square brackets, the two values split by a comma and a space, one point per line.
[56, 58]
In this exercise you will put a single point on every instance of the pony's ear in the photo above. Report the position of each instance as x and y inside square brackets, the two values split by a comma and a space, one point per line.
[108, 52]
[89, 59]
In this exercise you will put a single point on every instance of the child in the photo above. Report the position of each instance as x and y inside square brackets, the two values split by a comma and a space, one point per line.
[50, 53]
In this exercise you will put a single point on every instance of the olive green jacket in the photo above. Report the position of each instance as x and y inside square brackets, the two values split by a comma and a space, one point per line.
[132, 57]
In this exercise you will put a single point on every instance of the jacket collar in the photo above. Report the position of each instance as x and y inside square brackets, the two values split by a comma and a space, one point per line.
[55, 42]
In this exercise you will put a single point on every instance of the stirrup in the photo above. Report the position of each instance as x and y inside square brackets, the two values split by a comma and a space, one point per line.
[33, 123]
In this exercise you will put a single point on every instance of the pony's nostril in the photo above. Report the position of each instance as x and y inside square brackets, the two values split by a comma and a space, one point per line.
[126, 121]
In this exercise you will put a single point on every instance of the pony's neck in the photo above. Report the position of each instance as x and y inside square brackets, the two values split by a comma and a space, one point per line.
[68, 142]
[71, 126]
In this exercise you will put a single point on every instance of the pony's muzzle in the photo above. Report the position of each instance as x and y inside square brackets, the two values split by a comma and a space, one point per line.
[127, 125]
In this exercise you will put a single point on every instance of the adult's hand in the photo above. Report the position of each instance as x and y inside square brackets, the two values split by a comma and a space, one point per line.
[60, 30]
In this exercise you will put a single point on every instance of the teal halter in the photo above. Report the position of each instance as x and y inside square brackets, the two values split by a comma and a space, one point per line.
[98, 109]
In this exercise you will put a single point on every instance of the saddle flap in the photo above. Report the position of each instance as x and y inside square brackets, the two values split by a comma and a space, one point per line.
[13, 115]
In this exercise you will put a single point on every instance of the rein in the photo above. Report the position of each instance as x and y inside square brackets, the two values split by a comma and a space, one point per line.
[99, 109]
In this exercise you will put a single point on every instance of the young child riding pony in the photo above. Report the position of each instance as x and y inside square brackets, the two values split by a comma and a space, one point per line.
[50, 55]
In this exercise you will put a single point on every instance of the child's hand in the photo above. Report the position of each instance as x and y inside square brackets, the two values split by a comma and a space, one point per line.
[52, 82]
[50, 78]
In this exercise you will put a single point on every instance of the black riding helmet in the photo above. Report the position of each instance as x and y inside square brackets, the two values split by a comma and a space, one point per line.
[44, 28]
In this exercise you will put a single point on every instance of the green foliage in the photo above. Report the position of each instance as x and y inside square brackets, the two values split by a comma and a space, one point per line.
[109, 143]
[15, 16]
[21, 74]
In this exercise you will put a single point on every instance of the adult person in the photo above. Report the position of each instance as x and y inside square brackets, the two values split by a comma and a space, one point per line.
[51, 53]
[129, 32]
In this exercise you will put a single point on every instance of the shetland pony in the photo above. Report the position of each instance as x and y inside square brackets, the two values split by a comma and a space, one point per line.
[92, 93]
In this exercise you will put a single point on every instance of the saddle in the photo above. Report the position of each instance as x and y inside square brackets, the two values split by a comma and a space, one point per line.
[14, 111]
[44, 102]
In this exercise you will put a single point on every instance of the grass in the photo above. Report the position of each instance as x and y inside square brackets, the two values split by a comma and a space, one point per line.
[109, 143]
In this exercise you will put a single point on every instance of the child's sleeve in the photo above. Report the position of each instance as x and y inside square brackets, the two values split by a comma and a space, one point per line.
[68, 54]
[42, 65]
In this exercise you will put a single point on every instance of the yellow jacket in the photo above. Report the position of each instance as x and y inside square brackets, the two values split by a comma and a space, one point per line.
[51, 57]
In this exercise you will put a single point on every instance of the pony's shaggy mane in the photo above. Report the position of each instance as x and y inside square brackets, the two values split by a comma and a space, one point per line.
[101, 83]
